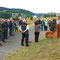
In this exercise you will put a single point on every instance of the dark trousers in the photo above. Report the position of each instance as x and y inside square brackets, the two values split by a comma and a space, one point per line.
[6, 35]
[10, 31]
[45, 28]
[26, 36]
[16, 29]
[36, 36]
[3, 36]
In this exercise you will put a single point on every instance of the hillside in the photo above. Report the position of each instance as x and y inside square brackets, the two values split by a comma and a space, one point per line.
[13, 10]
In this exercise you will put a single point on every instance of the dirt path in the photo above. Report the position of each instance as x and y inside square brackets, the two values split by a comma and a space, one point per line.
[14, 43]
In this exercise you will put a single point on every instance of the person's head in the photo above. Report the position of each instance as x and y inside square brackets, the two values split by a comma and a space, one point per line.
[20, 19]
[0, 20]
[37, 19]
[6, 20]
[15, 21]
[3, 20]
[54, 21]
[12, 20]
[42, 20]
[58, 18]
[24, 21]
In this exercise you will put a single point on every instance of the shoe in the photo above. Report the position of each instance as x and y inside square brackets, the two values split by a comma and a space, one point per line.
[27, 45]
[1, 44]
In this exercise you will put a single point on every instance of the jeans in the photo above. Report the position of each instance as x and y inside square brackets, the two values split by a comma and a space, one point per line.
[11, 31]
[42, 27]
[26, 36]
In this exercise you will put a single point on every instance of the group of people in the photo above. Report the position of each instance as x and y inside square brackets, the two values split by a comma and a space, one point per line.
[7, 28]
[38, 25]
[45, 24]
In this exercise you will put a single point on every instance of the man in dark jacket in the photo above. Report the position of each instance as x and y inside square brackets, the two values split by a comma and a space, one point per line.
[6, 23]
[1, 33]
[11, 27]
[25, 33]
[4, 30]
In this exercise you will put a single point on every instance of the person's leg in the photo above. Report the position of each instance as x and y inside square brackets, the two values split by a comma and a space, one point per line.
[41, 28]
[35, 36]
[10, 32]
[3, 36]
[46, 28]
[17, 29]
[1, 41]
[27, 37]
[7, 33]
[22, 40]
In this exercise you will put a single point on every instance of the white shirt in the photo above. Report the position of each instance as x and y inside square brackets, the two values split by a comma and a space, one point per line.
[58, 21]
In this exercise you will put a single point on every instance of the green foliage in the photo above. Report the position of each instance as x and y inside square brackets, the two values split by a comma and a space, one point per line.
[5, 15]
[7, 10]
[31, 18]
[49, 15]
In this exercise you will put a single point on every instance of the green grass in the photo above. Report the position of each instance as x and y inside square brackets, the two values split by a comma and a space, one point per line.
[45, 49]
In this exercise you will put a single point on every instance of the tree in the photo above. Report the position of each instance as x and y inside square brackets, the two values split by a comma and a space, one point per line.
[5, 15]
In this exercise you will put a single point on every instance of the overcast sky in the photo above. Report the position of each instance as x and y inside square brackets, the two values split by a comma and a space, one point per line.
[36, 6]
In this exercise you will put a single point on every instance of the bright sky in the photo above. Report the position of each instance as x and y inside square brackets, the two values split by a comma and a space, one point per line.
[37, 6]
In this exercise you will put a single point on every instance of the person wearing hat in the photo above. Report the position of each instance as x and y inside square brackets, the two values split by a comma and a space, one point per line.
[25, 33]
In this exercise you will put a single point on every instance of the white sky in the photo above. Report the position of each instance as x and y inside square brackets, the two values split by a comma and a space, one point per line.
[37, 6]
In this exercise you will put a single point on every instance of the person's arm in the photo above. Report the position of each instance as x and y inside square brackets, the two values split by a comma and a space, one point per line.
[27, 28]
[20, 29]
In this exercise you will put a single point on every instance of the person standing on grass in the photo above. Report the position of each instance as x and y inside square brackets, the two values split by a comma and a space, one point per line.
[37, 29]
[25, 33]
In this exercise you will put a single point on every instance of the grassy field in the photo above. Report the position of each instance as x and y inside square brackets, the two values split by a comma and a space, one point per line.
[46, 49]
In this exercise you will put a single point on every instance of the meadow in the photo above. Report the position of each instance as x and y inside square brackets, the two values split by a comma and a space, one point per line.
[45, 49]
